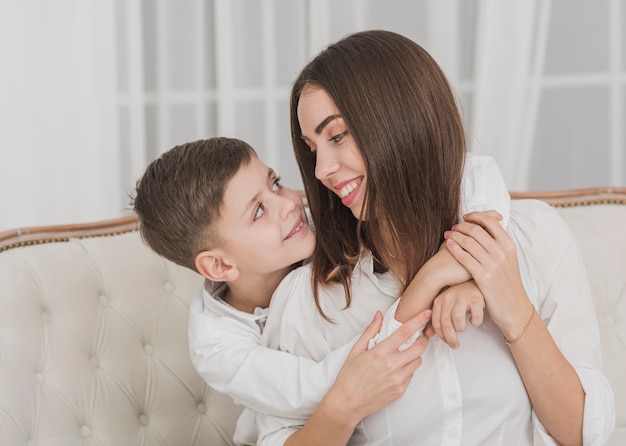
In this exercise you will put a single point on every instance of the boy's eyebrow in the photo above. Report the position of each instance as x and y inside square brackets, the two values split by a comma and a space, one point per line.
[270, 175]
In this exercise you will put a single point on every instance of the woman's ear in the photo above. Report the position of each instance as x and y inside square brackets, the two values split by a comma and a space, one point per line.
[214, 266]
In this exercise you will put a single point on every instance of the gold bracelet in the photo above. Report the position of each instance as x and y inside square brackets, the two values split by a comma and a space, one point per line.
[512, 341]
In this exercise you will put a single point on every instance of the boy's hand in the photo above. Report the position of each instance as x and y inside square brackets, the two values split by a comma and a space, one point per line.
[450, 309]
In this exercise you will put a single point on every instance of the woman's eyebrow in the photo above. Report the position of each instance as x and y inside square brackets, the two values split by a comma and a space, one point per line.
[325, 122]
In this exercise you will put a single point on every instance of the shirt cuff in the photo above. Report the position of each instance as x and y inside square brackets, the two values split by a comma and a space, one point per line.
[390, 325]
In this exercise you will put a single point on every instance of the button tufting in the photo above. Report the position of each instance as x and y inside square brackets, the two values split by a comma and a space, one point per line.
[169, 287]
[104, 300]
[610, 322]
[40, 377]
[94, 362]
[31, 443]
[45, 315]
[201, 407]
[143, 419]
[85, 431]
[148, 349]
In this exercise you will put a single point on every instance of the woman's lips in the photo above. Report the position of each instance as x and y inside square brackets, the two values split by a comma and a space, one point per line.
[349, 190]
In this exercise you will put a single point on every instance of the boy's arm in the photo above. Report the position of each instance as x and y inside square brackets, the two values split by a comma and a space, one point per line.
[227, 354]
[366, 383]
[440, 271]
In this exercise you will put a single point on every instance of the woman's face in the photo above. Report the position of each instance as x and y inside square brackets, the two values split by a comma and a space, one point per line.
[339, 164]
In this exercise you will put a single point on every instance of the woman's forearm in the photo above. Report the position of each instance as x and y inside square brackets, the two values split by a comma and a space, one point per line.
[330, 425]
[552, 384]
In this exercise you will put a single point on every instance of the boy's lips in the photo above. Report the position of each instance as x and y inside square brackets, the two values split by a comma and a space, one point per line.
[298, 227]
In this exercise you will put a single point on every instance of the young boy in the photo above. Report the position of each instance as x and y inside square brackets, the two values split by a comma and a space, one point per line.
[214, 207]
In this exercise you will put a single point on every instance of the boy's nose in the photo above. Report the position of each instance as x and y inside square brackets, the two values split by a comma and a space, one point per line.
[287, 206]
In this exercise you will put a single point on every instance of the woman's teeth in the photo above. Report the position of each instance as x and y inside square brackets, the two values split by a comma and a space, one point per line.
[345, 191]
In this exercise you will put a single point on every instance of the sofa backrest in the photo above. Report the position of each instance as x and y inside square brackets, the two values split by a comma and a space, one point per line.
[93, 344]
[93, 332]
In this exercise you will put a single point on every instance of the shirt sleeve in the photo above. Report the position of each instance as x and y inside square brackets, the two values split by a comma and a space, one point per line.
[390, 325]
[483, 187]
[559, 287]
[228, 355]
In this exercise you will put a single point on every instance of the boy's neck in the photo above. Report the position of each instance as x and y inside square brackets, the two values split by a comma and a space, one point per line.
[253, 292]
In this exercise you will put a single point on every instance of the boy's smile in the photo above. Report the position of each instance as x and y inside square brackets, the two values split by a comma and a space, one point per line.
[263, 225]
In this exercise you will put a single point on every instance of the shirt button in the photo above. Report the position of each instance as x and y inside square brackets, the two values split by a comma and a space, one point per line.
[452, 396]
[451, 431]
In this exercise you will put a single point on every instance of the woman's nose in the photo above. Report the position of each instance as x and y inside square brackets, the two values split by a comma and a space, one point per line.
[325, 164]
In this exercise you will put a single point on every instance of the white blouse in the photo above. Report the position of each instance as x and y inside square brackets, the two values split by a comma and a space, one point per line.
[471, 395]
[225, 344]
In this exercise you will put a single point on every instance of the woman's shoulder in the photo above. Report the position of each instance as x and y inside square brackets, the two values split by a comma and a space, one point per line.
[293, 297]
[537, 223]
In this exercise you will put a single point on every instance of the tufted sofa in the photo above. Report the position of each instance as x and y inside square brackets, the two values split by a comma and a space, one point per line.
[93, 326]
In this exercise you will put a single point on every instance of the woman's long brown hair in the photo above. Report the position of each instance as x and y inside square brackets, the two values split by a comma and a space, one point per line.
[403, 116]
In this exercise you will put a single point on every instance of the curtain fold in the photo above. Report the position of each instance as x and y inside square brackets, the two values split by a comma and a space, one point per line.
[501, 107]
[59, 143]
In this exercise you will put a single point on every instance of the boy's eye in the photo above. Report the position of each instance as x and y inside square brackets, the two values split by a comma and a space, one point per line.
[276, 185]
[260, 209]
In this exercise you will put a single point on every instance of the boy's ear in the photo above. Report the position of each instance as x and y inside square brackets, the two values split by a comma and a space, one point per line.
[213, 266]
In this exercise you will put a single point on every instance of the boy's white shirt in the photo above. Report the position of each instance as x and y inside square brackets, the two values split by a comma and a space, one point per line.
[225, 344]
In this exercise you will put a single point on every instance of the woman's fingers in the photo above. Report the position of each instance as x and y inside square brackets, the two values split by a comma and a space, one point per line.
[369, 333]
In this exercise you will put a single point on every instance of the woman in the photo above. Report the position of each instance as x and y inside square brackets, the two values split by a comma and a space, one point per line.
[381, 147]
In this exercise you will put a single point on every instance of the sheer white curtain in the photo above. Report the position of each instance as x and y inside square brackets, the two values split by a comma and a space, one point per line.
[549, 96]
[93, 90]
[58, 137]
[504, 103]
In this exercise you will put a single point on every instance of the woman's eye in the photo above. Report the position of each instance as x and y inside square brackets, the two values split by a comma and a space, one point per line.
[337, 138]
[259, 211]
[277, 184]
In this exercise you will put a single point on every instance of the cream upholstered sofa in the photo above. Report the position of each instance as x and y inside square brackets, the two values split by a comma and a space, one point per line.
[93, 326]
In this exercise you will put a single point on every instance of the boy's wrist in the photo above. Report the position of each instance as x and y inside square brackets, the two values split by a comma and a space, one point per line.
[430, 283]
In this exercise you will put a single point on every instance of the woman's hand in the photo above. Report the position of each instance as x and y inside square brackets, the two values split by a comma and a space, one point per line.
[367, 382]
[482, 246]
[370, 379]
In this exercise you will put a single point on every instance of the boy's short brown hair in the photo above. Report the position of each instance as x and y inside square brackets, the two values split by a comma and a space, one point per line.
[179, 197]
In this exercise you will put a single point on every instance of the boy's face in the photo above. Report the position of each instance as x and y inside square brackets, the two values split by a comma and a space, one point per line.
[263, 225]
